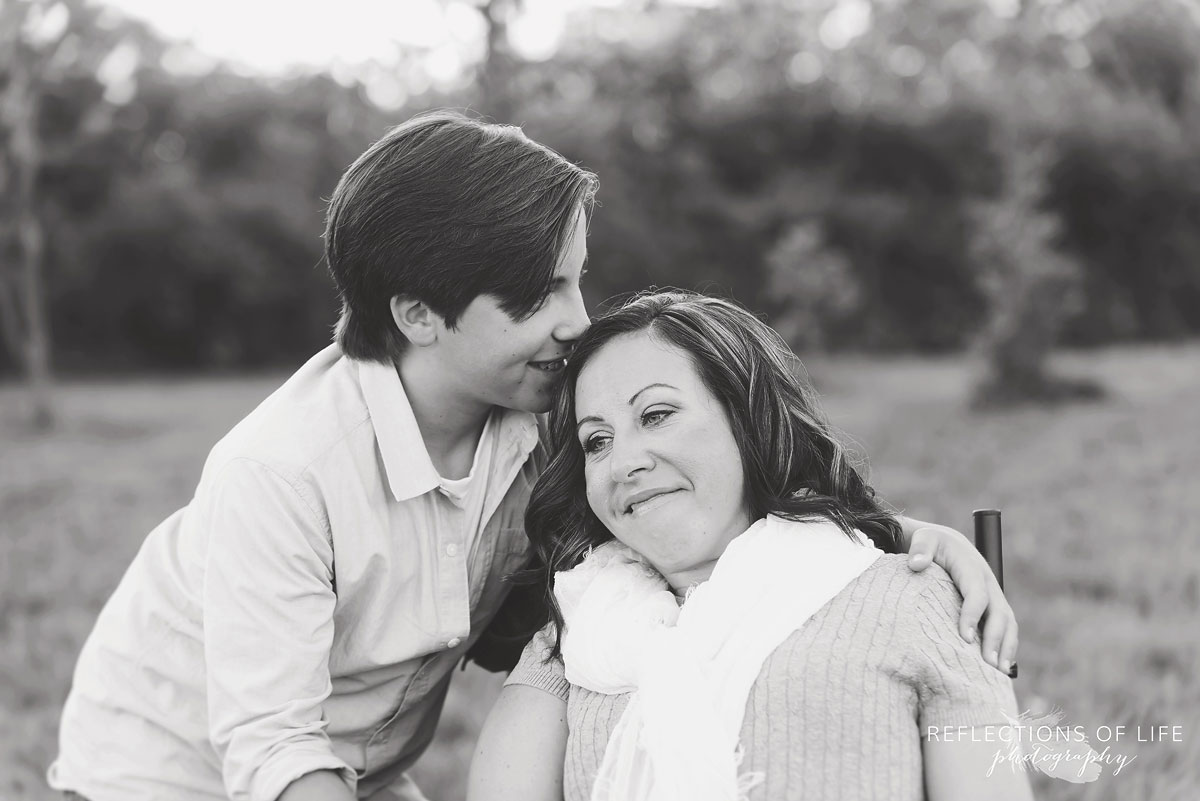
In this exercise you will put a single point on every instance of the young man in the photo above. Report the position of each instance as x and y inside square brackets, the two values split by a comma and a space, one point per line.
[291, 632]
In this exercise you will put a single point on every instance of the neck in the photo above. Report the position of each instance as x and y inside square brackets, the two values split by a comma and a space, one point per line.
[450, 425]
[683, 580]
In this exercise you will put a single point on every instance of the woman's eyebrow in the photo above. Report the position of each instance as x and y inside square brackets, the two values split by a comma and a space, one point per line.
[589, 419]
[633, 398]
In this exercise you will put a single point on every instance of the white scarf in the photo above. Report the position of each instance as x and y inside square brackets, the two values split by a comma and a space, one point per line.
[690, 670]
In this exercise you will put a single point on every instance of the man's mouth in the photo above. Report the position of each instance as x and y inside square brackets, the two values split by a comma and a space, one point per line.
[551, 366]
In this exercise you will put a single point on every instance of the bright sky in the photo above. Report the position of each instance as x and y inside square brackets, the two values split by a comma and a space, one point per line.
[396, 48]
[278, 36]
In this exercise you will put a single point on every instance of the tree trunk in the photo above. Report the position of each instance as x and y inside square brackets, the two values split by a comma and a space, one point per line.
[495, 76]
[37, 342]
[26, 161]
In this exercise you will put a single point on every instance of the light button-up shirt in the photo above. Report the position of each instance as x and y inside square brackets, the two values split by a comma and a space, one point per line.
[305, 610]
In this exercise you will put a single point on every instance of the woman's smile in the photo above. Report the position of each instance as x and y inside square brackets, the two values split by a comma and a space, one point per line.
[662, 468]
[646, 501]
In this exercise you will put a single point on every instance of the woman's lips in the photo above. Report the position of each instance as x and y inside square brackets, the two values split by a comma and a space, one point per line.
[649, 504]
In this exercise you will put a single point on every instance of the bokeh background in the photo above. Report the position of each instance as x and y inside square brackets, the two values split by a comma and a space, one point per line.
[977, 220]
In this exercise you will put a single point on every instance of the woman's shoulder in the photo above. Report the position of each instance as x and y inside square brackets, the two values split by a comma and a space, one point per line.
[890, 582]
[538, 667]
[870, 619]
[922, 603]
[933, 581]
[925, 634]
[883, 617]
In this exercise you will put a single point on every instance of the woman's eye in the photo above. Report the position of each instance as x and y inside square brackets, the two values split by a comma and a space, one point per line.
[655, 416]
[594, 443]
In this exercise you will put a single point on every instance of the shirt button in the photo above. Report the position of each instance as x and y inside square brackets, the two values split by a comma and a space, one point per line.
[452, 550]
[453, 643]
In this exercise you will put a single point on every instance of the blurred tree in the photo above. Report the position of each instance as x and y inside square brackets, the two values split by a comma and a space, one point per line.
[778, 152]
[815, 285]
[1149, 49]
[209, 254]
[48, 48]
[1031, 285]
[495, 73]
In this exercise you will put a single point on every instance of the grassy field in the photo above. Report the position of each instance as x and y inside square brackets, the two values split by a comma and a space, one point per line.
[1102, 536]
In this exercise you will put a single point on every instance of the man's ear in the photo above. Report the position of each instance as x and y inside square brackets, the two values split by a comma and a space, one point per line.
[418, 322]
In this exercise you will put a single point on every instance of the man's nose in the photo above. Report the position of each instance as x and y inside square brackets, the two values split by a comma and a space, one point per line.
[575, 319]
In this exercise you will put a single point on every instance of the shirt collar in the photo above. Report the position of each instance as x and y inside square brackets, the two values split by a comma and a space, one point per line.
[410, 471]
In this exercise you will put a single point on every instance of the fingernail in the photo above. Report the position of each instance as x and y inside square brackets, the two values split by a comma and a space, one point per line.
[1004, 666]
[971, 635]
[992, 657]
[1012, 671]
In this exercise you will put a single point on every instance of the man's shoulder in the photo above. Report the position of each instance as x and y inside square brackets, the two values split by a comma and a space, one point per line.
[319, 408]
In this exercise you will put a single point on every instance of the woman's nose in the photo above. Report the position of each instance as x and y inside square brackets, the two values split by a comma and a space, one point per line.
[628, 459]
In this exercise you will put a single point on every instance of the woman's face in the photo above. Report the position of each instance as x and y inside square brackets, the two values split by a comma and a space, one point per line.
[663, 470]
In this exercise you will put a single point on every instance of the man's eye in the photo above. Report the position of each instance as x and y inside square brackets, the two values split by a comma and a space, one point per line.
[656, 416]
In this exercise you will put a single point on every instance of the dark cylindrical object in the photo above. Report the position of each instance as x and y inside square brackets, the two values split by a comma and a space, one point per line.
[989, 541]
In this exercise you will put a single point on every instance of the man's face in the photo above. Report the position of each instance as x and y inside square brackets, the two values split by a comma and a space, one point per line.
[515, 364]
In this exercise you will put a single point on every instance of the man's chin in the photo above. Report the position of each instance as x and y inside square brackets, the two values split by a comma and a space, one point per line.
[539, 406]
[534, 403]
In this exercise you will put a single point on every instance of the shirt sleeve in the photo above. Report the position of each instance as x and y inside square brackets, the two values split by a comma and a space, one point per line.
[536, 668]
[955, 686]
[268, 631]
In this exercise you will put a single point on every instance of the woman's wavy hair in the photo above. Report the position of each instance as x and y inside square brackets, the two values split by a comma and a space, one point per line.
[795, 467]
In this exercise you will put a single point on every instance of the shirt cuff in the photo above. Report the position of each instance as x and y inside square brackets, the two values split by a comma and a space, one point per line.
[274, 776]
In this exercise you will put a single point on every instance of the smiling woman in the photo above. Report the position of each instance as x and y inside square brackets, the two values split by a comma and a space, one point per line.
[689, 393]
[663, 470]
[729, 617]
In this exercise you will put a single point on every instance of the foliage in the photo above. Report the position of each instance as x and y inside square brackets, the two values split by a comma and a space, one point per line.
[1128, 195]
[741, 150]
[814, 284]
[1031, 286]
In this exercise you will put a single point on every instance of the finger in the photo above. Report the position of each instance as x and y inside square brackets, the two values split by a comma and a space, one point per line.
[1008, 650]
[922, 549]
[975, 603]
[994, 627]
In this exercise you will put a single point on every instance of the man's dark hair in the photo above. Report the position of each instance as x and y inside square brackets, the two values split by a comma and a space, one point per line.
[445, 208]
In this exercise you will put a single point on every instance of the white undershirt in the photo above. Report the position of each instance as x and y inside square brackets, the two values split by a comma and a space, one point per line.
[466, 493]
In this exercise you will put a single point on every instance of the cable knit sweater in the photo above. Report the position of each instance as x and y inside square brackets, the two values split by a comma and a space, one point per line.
[841, 708]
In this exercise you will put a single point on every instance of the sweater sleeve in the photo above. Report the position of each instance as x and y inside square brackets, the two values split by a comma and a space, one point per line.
[955, 686]
[537, 668]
